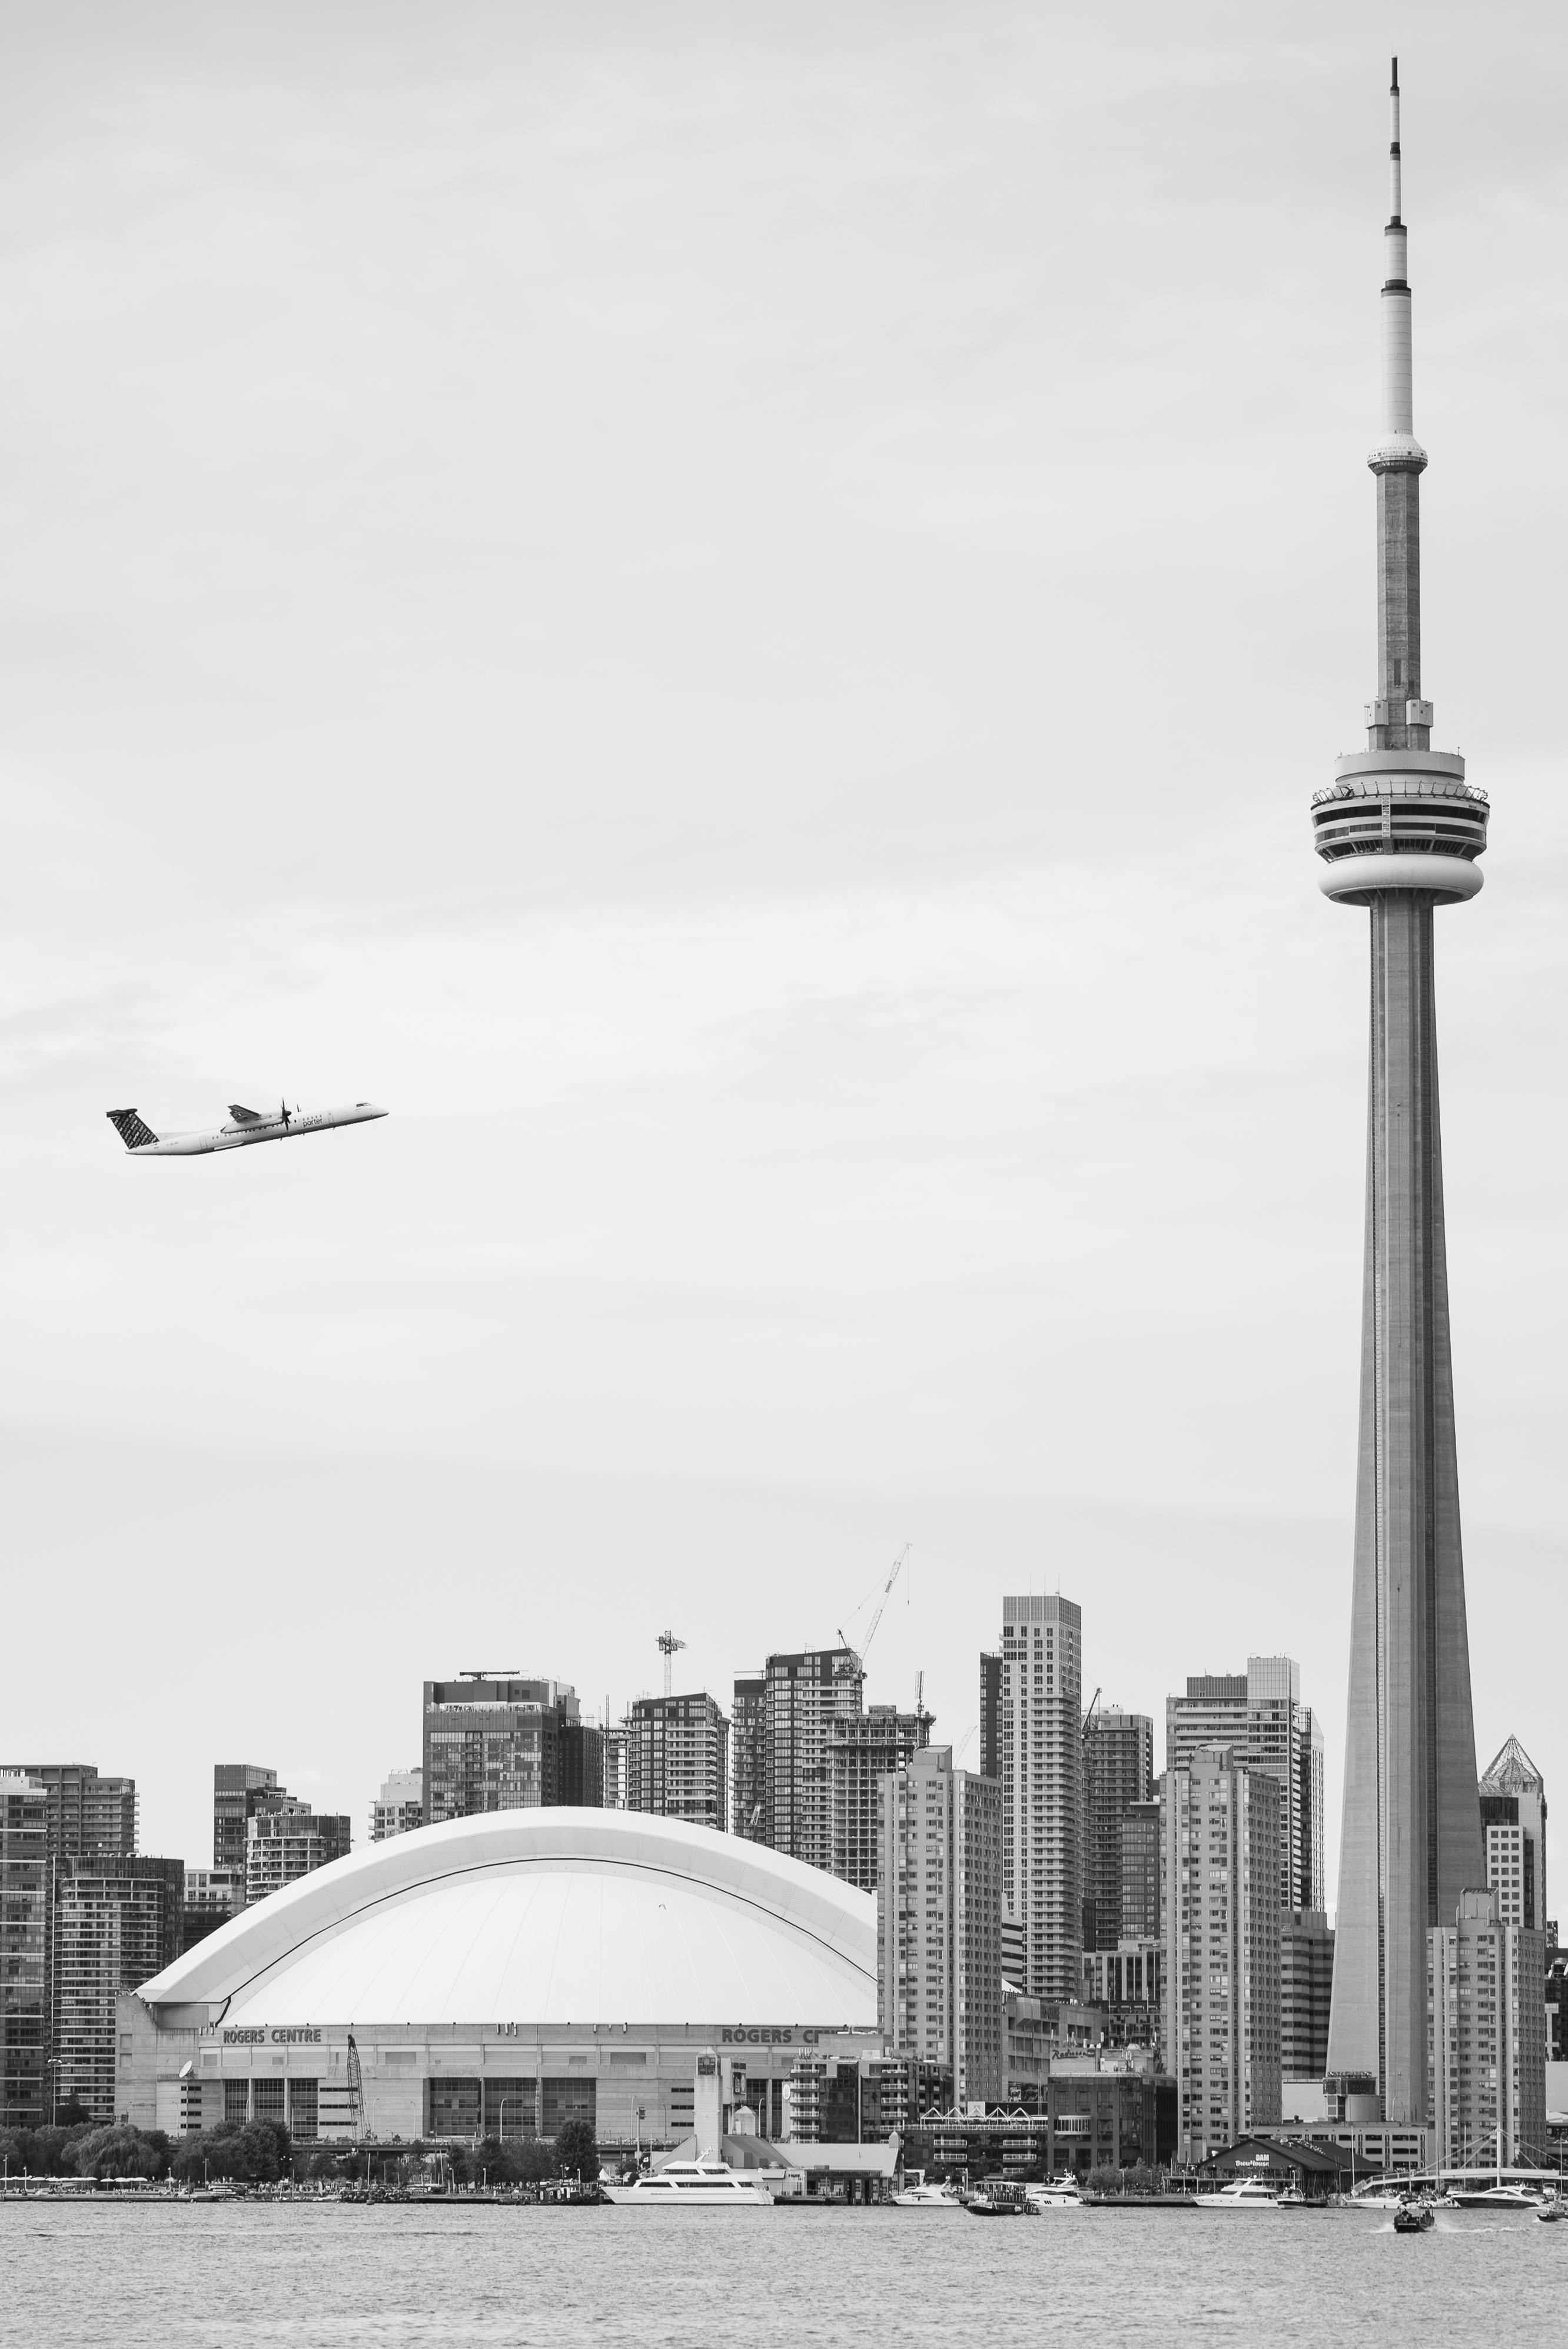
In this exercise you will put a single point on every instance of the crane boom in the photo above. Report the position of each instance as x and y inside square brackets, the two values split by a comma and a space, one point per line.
[860, 1654]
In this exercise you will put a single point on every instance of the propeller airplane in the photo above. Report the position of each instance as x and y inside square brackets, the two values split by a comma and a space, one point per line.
[245, 1126]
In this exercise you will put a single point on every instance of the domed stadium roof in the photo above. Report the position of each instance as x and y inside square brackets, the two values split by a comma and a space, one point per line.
[542, 1917]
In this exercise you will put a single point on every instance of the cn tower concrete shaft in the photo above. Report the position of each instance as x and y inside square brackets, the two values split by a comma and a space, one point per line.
[1399, 831]
[1411, 1836]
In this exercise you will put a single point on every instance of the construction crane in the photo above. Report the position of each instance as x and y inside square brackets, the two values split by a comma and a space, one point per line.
[667, 1644]
[1088, 1716]
[882, 1602]
[963, 1743]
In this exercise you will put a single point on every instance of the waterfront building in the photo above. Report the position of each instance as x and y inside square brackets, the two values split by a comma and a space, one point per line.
[677, 1759]
[1118, 1771]
[1305, 1987]
[1398, 832]
[749, 1755]
[862, 1749]
[1142, 1917]
[604, 1954]
[1041, 1736]
[23, 1915]
[399, 1807]
[1513, 1821]
[1260, 1716]
[1486, 2053]
[1126, 1985]
[939, 1920]
[803, 1695]
[212, 1895]
[497, 1741]
[1222, 2035]
[284, 1844]
[118, 1919]
[1090, 2115]
[87, 1812]
[240, 1789]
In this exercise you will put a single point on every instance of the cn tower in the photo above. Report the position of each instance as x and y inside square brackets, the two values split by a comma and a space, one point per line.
[1398, 832]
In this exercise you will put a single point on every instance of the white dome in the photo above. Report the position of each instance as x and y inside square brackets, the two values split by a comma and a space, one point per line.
[543, 1917]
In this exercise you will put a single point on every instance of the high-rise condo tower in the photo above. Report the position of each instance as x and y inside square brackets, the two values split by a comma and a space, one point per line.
[1399, 831]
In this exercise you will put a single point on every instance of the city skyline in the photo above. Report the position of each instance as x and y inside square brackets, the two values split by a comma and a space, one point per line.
[802, 1067]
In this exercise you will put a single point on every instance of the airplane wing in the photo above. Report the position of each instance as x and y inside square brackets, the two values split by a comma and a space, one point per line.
[245, 1116]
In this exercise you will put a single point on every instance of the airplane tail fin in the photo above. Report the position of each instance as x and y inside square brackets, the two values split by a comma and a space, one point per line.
[133, 1131]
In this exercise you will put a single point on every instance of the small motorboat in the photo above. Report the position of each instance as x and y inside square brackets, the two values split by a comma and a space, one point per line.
[1414, 2216]
[1551, 2210]
[1241, 2194]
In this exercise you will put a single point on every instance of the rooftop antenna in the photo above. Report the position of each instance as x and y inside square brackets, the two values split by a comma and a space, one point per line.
[667, 1644]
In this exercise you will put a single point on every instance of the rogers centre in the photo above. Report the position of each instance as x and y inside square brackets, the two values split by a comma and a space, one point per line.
[499, 1976]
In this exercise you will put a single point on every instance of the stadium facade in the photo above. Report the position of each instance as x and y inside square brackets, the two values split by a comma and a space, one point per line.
[503, 1974]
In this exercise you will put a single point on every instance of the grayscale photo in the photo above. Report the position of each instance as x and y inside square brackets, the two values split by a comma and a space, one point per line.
[813, 696]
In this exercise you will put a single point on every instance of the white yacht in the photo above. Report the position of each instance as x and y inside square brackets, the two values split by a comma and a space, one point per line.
[694, 2185]
[1055, 2194]
[1241, 2194]
[1511, 2196]
[919, 2196]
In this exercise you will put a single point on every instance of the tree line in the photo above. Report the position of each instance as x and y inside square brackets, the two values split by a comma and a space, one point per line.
[262, 2153]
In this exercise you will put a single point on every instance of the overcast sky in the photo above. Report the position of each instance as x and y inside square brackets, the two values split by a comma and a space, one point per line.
[735, 611]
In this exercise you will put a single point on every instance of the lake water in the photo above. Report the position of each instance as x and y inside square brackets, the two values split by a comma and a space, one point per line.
[100, 2273]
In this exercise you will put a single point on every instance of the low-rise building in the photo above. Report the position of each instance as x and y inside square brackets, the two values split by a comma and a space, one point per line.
[1091, 2117]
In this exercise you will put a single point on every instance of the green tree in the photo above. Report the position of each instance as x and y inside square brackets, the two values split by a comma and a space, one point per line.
[576, 2151]
[118, 2150]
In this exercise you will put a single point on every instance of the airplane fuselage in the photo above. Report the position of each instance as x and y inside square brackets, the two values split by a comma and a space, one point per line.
[239, 1136]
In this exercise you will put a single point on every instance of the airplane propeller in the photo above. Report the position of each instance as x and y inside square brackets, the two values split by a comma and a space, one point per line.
[283, 1114]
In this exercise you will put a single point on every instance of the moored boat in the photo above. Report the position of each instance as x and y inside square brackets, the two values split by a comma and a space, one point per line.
[1055, 2194]
[1241, 2194]
[693, 2185]
[918, 2195]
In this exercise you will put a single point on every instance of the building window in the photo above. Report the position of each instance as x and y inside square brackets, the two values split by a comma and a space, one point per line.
[452, 2107]
[237, 2103]
[268, 2100]
[302, 2109]
[568, 2100]
[509, 2108]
